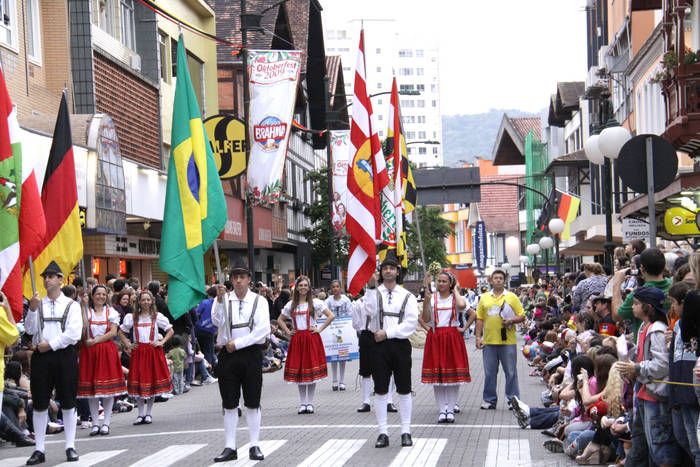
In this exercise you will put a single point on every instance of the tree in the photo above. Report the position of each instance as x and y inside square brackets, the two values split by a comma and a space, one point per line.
[434, 230]
[319, 214]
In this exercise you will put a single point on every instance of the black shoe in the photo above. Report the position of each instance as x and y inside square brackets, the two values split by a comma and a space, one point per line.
[364, 408]
[37, 457]
[382, 441]
[406, 440]
[255, 454]
[226, 455]
[391, 408]
[24, 441]
[553, 445]
[335, 387]
[71, 455]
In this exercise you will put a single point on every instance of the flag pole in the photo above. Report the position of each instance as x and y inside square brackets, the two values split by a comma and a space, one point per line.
[219, 276]
[31, 275]
[420, 246]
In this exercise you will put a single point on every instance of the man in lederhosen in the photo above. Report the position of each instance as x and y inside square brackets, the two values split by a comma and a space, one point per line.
[243, 321]
[56, 324]
[393, 316]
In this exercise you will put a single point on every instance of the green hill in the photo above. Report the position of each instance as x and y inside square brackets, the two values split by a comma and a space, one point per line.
[466, 137]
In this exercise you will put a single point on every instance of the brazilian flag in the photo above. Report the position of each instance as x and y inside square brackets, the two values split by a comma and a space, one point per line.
[195, 207]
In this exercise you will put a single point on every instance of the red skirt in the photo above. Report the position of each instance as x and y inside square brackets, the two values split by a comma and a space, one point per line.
[445, 358]
[148, 373]
[100, 371]
[306, 359]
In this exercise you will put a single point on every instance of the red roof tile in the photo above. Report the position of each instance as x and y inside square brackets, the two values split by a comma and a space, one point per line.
[498, 207]
[525, 124]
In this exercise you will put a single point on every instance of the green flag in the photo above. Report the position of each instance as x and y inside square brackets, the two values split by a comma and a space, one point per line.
[195, 207]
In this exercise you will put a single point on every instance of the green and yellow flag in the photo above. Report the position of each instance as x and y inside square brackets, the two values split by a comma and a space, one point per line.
[195, 207]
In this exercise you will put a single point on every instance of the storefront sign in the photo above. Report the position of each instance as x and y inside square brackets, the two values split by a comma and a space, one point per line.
[480, 252]
[227, 138]
[340, 339]
[681, 221]
[634, 229]
[131, 246]
[340, 150]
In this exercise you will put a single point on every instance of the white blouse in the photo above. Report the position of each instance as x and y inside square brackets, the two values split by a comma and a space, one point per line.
[99, 325]
[341, 307]
[301, 314]
[445, 311]
[143, 334]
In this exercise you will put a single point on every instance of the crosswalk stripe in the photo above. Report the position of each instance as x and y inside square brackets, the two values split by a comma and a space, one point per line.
[513, 452]
[169, 455]
[92, 458]
[335, 452]
[424, 452]
[267, 448]
[15, 461]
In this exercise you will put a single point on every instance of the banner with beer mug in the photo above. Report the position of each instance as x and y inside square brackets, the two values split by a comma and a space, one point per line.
[273, 78]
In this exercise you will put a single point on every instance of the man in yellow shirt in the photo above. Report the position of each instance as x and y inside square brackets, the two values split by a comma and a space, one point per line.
[497, 313]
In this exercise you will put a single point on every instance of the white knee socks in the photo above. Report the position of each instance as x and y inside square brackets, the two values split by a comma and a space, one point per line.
[380, 402]
[253, 417]
[392, 388]
[107, 405]
[302, 394]
[70, 422]
[334, 372]
[451, 393]
[140, 404]
[405, 409]
[341, 372]
[440, 397]
[310, 390]
[230, 425]
[94, 405]
[40, 421]
[149, 405]
[366, 389]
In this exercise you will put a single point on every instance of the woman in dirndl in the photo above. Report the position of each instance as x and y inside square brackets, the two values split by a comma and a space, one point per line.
[306, 357]
[100, 369]
[148, 371]
[445, 362]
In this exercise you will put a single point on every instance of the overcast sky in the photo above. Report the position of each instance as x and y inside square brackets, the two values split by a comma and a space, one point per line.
[493, 54]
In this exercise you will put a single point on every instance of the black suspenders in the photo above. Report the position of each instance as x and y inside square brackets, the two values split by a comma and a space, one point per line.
[382, 313]
[61, 320]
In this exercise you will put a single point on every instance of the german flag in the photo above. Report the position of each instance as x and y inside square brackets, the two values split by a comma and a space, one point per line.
[568, 208]
[63, 241]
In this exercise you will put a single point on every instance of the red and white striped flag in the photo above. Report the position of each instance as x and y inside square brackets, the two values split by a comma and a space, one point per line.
[367, 177]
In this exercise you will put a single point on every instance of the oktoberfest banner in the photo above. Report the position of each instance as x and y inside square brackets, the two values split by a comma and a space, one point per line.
[273, 77]
[340, 339]
[340, 151]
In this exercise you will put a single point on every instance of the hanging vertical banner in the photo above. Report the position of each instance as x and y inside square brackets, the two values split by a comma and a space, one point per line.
[479, 243]
[340, 150]
[274, 75]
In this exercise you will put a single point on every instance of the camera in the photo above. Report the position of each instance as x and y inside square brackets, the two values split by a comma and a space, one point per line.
[632, 272]
[504, 334]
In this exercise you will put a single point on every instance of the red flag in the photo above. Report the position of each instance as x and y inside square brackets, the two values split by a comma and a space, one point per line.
[367, 177]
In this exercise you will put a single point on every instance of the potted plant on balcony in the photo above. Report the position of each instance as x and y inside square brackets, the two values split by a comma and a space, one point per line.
[671, 67]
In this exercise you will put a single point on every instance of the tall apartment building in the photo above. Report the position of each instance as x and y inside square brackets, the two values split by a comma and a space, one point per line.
[392, 51]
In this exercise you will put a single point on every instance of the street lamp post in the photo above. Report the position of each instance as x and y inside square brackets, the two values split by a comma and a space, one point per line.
[546, 243]
[533, 249]
[556, 226]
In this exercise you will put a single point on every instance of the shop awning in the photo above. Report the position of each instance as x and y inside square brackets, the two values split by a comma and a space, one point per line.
[589, 247]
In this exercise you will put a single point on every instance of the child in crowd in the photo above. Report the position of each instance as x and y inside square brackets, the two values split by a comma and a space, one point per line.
[177, 356]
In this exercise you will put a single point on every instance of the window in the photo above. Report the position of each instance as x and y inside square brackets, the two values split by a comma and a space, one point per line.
[105, 16]
[381, 134]
[410, 135]
[405, 87]
[421, 103]
[421, 119]
[419, 53]
[379, 69]
[379, 102]
[343, 49]
[341, 34]
[163, 56]
[33, 32]
[408, 103]
[408, 119]
[434, 134]
[379, 51]
[435, 150]
[406, 71]
[127, 23]
[330, 49]
[409, 151]
[379, 85]
[421, 135]
[330, 34]
[196, 67]
[433, 88]
[420, 87]
[8, 25]
[422, 151]
[420, 71]
[346, 68]
[434, 103]
[405, 53]
[380, 117]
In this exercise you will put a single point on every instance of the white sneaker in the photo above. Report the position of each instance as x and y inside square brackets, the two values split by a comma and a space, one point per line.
[85, 424]
[210, 380]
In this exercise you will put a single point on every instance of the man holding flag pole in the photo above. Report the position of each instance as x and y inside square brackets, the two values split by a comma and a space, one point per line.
[389, 310]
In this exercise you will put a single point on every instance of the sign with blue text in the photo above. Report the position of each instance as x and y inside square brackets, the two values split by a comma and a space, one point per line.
[480, 252]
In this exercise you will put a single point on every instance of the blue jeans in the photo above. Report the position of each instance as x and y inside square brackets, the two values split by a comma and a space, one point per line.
[507, 356]
[543, 417]
[658, 431]
[684, 430]
[581, 439]
[206, 343]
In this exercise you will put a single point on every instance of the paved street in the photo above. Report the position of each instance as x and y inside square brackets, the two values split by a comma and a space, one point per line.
[188, 430]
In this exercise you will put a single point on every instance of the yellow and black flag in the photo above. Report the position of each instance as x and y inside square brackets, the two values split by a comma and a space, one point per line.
[63, 241]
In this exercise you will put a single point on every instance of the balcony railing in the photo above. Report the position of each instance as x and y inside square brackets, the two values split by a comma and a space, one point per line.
[681, 90]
